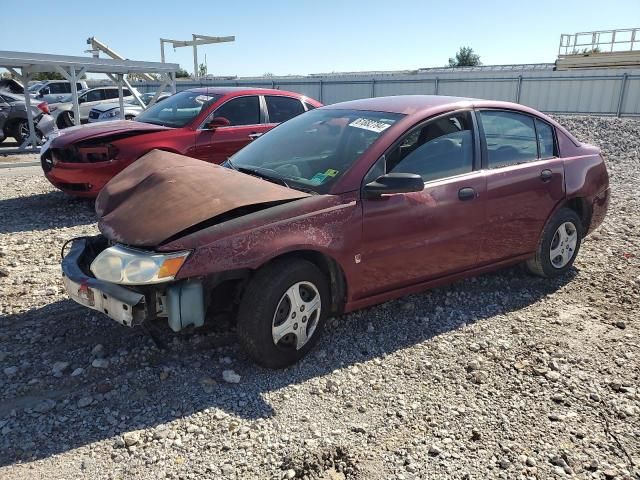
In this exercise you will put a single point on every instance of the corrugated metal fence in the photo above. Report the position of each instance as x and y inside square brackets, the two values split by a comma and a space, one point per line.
[602, 92]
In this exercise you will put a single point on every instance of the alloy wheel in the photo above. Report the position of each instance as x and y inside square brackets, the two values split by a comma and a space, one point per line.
[563, 245]
[296, 316]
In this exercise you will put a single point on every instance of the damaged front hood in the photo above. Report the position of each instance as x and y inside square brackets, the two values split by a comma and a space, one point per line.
[103, 129]
[163, 194]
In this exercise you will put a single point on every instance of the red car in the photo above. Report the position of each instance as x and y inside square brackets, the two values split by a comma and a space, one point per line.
[340, 208]
[209, 124]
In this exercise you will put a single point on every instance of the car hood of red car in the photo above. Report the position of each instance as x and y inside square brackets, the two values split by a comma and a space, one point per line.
[103, 129]
[164, 195]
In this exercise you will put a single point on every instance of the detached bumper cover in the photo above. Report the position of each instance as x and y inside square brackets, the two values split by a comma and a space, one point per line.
[121, 304]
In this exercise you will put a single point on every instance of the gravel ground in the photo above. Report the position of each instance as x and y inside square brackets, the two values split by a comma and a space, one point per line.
[501, 376]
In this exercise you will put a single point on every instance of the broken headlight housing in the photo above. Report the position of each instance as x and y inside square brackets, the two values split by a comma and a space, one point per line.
[128, 266]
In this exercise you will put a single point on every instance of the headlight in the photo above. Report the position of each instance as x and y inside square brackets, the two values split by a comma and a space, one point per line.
[111, 114]
[127, 266]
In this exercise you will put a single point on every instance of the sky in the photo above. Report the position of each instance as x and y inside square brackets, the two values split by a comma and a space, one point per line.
[300, 37]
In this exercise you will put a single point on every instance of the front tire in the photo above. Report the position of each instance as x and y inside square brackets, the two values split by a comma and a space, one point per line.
[65, 120]
[558, 245]
[282, 313]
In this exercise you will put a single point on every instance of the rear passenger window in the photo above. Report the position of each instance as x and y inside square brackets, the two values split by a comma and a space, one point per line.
[442, 148]
[282, 109]
[546, 144]
[241, 111]
[308, 106]
[510, 137]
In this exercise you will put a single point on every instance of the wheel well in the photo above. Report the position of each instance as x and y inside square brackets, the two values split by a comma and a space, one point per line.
[583, 209]
[224, 291]
[331, 269]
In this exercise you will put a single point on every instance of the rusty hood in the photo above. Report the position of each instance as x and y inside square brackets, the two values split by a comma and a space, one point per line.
[164, 194]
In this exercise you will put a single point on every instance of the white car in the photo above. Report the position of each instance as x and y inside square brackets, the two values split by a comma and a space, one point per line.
[111, 111]
[88, 99]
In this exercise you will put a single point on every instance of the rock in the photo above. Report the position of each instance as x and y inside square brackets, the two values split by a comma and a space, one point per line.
[530, 462]
[4, 272]
[208, 384]
[164, 375]
[230, 376]
[131, 438]
[479, 376]
[553, 376]
[476, 435]
[291, 473]
[45, 406]
[77, 371]
[10, 371]
[434, 450]
[59, 367]
[100, 363]
[98, 350]
[504, 463]
[621, 325]
[85, 402]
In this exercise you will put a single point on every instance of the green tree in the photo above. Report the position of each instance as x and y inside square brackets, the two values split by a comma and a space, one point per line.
[465, 58]
[40, 76]
[182, 73]
[202, 69]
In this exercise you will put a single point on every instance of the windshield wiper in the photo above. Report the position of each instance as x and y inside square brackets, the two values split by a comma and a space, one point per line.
[259, 172]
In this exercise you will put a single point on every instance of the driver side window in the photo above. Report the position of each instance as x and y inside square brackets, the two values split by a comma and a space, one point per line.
[439, 149]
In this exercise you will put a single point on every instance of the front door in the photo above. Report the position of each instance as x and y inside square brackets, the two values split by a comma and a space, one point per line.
[525, 182]
[245, 118]
[414, 237]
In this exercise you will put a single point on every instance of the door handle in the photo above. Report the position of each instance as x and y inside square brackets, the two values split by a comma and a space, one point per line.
[254, 135]
[466, 193]
[546, 175]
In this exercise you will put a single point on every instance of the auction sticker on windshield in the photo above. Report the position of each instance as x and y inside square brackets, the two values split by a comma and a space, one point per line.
[367, 124]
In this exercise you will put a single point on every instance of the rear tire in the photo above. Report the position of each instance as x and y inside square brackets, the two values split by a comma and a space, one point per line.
[282, 313]
[558, 246]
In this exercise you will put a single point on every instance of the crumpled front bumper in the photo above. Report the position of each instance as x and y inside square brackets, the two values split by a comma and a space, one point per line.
[121, 304]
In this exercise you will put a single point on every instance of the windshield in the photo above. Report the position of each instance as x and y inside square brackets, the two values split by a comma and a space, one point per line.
[35, 87]
[313, 150]
[178, 110]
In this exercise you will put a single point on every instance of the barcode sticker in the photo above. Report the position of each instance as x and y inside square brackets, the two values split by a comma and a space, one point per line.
[371, 125]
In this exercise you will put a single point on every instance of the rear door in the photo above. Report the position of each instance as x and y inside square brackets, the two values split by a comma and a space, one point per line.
[413, 237]
[281, 108]
[246, 118]
[525, 181]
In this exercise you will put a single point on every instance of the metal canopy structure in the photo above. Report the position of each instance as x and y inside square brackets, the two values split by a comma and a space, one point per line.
[24, 64]
[197, 40]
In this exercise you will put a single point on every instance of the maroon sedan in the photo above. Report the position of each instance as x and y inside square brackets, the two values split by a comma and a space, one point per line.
[209, 124]
[340, 208]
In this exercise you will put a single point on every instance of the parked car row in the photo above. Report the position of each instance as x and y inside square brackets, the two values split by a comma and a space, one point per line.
[338, 208]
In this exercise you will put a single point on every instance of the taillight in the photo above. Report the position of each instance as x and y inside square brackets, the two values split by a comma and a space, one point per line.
[44, 107]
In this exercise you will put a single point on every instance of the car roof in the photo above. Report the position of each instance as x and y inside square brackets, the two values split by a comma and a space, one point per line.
[405, 104]
[257, 91]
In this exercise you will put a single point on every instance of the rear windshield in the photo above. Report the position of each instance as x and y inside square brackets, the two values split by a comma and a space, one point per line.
[178, 110]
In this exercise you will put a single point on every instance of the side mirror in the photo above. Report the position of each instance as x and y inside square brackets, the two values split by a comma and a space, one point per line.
[217, 122]
[394, 183]
[82, 99]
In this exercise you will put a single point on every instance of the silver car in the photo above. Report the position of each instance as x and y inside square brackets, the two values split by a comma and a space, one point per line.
[111, 111]
[88, 99]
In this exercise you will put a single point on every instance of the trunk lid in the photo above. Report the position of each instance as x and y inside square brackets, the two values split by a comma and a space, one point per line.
[163, 194]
